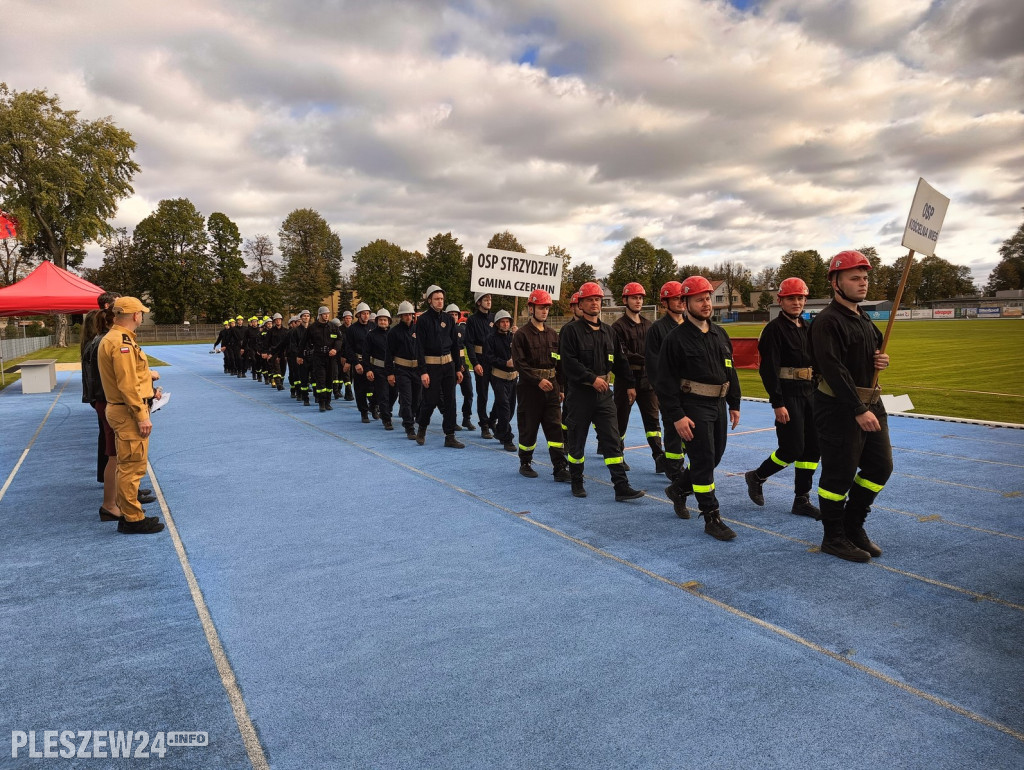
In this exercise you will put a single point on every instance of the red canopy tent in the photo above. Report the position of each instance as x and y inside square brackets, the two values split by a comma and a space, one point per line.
[46, 290]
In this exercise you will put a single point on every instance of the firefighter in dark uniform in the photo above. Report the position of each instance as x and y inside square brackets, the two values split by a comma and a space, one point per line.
[289, 357]
[276, 349]
[467, 382]
[220, 345]
[671, 295]
[402, 366]
[788, 379]
[535, 353]
[261, 356]
[298, 351]
[250, 346]
[334, 366]
[498, 357]
[322, 343]
[479, 327]
[631, 329]
[355, 340]
[375, 352]
[237, 343]
[589, 352]
[852, 426]
[574, 309]
[440, 367]
[695, 379]
[346, 373]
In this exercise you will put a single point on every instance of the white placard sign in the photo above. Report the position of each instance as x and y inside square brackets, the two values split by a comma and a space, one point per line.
[925, 220]
[514, 274]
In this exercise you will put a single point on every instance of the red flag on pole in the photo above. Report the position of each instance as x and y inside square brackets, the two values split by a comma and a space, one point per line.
[8, 229]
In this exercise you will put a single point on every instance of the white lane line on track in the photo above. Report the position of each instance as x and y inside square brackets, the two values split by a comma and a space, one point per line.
[250, 738]
[17, 465]
[691, 587]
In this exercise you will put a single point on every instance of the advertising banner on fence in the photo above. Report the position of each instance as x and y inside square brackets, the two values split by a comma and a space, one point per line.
[1012, 312]
[988, 312]
[943, 312]
[903, 315]
[878, 315]
[514, 274]
[920, 314]
[925, 219]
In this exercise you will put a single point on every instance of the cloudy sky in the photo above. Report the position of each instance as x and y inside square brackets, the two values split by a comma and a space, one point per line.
[715, 130]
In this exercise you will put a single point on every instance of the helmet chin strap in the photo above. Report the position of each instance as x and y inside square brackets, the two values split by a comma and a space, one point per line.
[791, 316]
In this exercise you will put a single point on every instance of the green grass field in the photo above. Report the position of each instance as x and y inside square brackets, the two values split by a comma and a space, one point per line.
[968, 368]
[961, 368]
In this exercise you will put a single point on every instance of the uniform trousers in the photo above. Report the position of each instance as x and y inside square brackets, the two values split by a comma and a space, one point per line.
[586, 408]
[710, 431]
[647, 402]
[798, 443]
[440, 394]
[483, 382]
[853, 461]
[540, 410]
[383, 394]
[408, 387]
[503, 409]
[132, 454]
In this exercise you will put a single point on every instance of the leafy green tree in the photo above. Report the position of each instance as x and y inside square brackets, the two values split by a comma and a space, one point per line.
[121, 270]
[1009, 273]
[736, 278]
[665, 270]
[413, 277]
[685, 271]
[579, 275]
[811, 267]
[445, 265]
[60, 176]
[228, 290]
[263, 283]
[172, 248]
[377, 277]
[890, 278]
[766, 278]
[879, 273]
[635, 262]
[311, 251]
[560, 304]
[941, 279]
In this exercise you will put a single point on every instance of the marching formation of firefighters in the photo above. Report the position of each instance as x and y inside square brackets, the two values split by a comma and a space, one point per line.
[679, 371]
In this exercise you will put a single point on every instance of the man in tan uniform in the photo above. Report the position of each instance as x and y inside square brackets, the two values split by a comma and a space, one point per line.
[128, 388]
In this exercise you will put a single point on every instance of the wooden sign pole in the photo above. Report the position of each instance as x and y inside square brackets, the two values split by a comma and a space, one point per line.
[895, 309]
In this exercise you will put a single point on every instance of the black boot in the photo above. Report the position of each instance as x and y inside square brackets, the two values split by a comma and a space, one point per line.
[322, 403]
[365, 417]
[525, 469]
[280, 385]
[337, 393]
[576, 477]
[410, 434]
[348, 393]
[678, 499]
[327, 402]
[802, 506]
[375, 413]
[624, 492]
[421, 435]
[387, 424]
[468, 423]
[754, 491]
[835, 541]
[853, 525]
[305, 398]
[485, 432]
[453, 443]
[714, 526]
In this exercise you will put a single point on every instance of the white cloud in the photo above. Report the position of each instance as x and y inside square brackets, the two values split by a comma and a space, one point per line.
[713, 132]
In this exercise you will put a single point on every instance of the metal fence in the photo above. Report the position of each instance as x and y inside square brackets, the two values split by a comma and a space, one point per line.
[13, 347]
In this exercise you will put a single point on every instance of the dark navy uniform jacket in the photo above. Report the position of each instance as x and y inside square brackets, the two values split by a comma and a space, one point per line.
[705, 357]
[436, 336]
